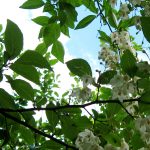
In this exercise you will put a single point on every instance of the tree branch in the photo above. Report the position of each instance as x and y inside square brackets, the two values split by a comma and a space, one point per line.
[72, 106]
[36, 130]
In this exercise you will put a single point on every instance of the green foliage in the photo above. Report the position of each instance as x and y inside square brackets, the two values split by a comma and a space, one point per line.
[23, 88]
[128, 63]
[58, 51]
[79, 67]
[27, 71]
[51, 33]
[13, 40]
[85, 21]
[32, 4]
[43, 117]
[145, 21]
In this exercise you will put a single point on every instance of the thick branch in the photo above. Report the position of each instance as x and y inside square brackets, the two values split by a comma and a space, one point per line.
[36, 130]
[72, 106]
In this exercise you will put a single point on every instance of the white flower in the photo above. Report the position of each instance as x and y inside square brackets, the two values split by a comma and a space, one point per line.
[124, 145]
[113, 3]
[87, 79]
[131, 107]
[87, 141]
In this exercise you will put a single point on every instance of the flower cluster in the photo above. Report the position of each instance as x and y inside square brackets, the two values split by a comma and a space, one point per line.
[87, 141]
[122, 87]
[83, 94]
[143, 125]
[124, 11]
[108, 56]
[113, 3]
[135, 2]
[122, 40]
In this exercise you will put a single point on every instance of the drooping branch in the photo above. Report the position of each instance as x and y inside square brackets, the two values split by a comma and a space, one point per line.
[72, 106]
[36, 130]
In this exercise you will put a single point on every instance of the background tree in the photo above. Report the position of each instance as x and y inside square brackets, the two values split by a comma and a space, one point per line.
[121, 91]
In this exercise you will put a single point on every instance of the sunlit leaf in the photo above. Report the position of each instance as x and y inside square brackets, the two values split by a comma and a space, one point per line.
[32, 4]
[85, 21]
[58, 51]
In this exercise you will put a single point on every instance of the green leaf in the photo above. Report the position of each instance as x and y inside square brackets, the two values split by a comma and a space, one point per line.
[79, 67]
[128, 63]
[50, 145]
[6, 100]
[41, 20]
[33, 58]
[105, 93]
[105, 77]
[27, 71]
[58, 51]
[52, 116]
[27, 135]
[90, 5]
[104, 37]
[69, 127]
[51, 33]
[85, 21]
[144, 84]
[145, 23]
[13, 40]
[32, 4]
[23, 88]
[112, 19]
[41, 48]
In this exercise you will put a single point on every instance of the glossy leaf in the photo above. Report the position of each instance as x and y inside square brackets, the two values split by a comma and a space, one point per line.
[13, 40]
[85, 21]
[79, 67]
[33, 58]
[27, 71]
[23, 88]
[128, 63]
[41, 20]
[145, 22]
[32, 4]
[51, 33]
[58, 51]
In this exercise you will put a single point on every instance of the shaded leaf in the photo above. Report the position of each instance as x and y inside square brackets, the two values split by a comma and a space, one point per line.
[105, 77]
[33, 58]
[27, 71]
[23, 88]
[145, 23]
[58, 51]
[13, 40]
[52, 116]
[85, 21]
[50, 145]
[128, 63]
[51, 33]
[27, 135]
[79, 67]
